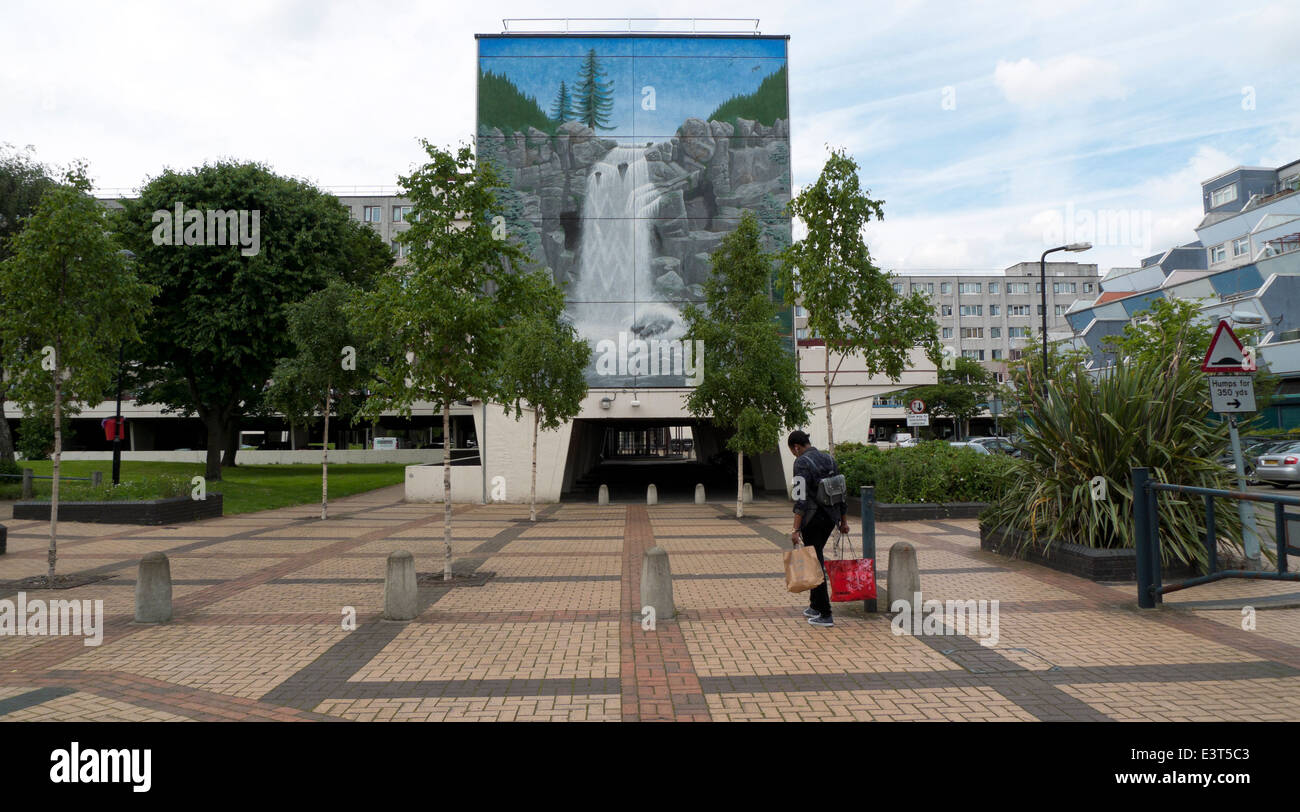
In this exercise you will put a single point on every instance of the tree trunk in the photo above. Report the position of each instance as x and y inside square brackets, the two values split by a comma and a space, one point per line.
[6, 439]
[232, 442]
[58, 455]
[216, 439]
[740, 484]
[532, 486]
[830, 431]
[325, 461]
[446, 491]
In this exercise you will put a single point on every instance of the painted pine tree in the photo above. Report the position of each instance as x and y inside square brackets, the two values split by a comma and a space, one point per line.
[595, 98]
[562, 107]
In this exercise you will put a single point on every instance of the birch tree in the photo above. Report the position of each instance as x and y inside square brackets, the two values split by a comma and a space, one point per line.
[852, 305]
[71, 300]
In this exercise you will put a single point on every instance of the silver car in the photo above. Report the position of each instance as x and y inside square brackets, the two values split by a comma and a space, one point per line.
[976, 447]
[1280, 467]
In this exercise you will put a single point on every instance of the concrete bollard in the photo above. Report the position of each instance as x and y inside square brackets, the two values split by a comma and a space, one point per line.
[657, 583]
[699, 493]
[651, 494]
[603, 497]
[904, 578]
[27, 482]
[4, 539]
[96, 479]
[400, 588]
[153, 590]
[747, 493]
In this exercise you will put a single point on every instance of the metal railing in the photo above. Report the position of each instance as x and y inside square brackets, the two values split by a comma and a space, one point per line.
[629, 25]
[1146, 536]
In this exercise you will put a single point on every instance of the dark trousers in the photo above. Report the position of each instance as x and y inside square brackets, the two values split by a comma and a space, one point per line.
[815, 533]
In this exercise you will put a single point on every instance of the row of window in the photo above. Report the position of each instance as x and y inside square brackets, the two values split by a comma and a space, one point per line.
[994, 332]
[996, 310]
[994, 355]
[1012, 288]
[1240, 247]
[375, 214]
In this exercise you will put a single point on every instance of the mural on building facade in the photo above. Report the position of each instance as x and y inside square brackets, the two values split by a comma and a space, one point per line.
[628, 159]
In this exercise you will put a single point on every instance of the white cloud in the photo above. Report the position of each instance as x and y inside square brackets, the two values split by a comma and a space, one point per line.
[1069, 81]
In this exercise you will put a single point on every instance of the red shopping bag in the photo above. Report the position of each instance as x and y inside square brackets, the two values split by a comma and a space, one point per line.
[850, 579]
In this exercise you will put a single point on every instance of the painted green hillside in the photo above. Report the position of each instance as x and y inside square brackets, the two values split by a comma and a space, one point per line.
[764, 105]
[504, 106]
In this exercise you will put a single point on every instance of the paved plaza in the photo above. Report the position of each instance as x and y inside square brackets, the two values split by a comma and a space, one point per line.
[553, 631]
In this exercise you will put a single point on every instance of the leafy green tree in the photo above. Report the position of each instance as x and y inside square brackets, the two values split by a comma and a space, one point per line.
[219, 325]
[544, 367]
[960, 393]
[71, 300]
[22, 182]
[324, 373]
[594, 98]
[438, 326]
[852, 305]
[751, 383]
[562, 107]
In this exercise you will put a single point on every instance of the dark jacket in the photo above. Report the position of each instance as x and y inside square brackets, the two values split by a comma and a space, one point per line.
[813, 466]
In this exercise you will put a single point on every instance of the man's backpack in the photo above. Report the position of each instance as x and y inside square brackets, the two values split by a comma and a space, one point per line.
[831, 485]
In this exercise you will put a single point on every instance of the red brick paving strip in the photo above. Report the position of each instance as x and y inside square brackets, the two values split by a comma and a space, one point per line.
[658, 678]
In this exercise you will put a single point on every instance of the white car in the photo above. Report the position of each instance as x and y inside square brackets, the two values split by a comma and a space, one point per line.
[976, 447]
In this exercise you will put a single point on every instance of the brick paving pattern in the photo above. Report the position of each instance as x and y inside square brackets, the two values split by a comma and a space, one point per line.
[556, 633]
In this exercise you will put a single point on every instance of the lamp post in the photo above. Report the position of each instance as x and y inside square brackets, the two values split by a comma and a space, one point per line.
[117, 414]
[1042, 277]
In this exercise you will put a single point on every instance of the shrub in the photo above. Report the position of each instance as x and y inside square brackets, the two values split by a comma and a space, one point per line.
[165, 486]
[1143, 413]
[859, 464]
[35, 439]
[930, 472]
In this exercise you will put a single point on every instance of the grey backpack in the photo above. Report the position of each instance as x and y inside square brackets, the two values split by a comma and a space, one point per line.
[831, 487]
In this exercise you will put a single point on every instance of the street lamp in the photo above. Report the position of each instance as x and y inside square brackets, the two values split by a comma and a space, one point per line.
[117, 419]
[1042, 276]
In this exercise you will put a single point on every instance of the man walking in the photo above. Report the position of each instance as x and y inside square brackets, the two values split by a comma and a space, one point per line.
[813, 521]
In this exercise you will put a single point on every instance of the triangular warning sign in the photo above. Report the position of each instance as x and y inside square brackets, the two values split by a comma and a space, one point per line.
[1226, 353]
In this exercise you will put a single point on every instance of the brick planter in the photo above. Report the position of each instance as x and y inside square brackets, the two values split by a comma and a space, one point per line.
[152, 511]
[1093, 563]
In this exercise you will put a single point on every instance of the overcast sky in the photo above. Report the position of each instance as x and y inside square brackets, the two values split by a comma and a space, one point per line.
[981, 125]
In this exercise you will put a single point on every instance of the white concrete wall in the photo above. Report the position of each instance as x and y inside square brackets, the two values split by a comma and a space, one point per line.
[424, 483]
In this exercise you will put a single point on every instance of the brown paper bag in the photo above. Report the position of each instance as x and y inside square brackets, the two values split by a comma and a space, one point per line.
[802, 569]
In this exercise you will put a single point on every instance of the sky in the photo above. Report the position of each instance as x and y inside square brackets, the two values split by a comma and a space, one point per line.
[992, 131]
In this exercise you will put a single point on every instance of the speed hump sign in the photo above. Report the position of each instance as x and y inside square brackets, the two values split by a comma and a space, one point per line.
[917, 406]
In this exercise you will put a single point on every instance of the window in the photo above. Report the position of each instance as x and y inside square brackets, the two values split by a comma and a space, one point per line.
[373, 214]
[1219, 253]
[1241, 246]
[997, 356]
[1040, 309]
[947, 332]
[1087, 287]
[1017, 288]
[995, 332]
[1292, 182]
[976, 355]
[1227, 194]
[1017, 332]
[1015, 355]
[945, 310]
[1060, 310]
[401, 214]
[968, 287]
[1064, 287]
[1017, 310]
[972, 310]
[1038, 287]
[993, 288]
[898, 288]
[995, 310]
[972, 332]
[400, 249]
[923, 287]
[945, 288]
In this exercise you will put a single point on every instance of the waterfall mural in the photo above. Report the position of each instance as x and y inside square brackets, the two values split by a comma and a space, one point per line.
[628, 159]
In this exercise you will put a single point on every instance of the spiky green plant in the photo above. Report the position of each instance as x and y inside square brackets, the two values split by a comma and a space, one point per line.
[1140, 412]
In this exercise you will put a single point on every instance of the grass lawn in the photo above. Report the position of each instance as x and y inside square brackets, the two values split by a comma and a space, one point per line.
[245, 488]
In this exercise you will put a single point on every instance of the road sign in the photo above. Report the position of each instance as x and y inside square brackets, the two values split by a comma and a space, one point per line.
[1226, 353]
[917, 406]
[1232, 393]
[918, 420]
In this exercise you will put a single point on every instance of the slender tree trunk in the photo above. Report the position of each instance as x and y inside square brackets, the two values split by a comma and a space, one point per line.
[216, 440]
[6, 438]
[232, 442]
[532, 486]
[740, 484]
[446, 491]
[830, 430]
[325, 460]
[58, 455]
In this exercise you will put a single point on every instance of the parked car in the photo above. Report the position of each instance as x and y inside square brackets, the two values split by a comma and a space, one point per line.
[1279, 466]
[998, 445]
[976, 447]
